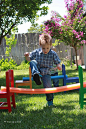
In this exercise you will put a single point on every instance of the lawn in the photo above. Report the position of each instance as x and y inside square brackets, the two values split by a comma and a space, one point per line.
[32, 113]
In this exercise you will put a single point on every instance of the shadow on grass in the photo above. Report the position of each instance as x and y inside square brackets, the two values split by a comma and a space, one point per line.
[27, 115]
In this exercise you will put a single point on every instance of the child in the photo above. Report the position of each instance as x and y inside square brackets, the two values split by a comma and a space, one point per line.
[54, 72]
[42, 60]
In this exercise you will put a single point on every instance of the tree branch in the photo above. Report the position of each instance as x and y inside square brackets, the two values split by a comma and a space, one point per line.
[9, 30]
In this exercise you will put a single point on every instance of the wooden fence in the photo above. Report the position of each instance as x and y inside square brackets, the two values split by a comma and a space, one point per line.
[28, 42]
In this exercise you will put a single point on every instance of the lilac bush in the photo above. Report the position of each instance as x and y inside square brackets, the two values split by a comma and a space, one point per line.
[70, 29]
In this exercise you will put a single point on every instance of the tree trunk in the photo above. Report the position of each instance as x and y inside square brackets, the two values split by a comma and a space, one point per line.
[71, 57]
[76, 57]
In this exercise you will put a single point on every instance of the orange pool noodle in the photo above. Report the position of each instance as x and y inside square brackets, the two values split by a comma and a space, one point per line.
[44, 90]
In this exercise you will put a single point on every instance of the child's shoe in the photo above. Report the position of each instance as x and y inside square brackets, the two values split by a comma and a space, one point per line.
[50, 103]
[37, 79]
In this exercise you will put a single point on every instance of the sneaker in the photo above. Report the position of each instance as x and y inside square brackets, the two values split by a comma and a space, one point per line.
[50, 103]
[37, 79]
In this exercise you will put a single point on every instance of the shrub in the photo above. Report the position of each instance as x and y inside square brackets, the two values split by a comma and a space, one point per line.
[23, 65]
[66, 62]
[6, 64]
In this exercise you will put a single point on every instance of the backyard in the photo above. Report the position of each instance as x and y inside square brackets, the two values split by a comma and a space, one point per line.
[69, 34]
[32, 113]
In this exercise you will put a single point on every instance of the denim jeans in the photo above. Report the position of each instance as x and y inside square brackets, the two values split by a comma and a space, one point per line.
[34, 67]
[55, 81]
[46, 79]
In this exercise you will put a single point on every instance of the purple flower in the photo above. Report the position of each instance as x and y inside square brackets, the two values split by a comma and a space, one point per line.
[83, 41]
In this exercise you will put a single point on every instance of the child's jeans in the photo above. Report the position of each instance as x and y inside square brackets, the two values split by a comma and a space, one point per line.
[55, 81]
[46, 79]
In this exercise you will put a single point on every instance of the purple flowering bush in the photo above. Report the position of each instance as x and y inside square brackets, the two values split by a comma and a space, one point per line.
[70, 29]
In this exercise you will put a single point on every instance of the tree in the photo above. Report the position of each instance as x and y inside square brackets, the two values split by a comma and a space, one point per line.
[14, 12]
[71, 28]
[35, 28]
[10, 42]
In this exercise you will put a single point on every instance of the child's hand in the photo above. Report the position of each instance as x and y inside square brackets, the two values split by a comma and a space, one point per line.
[59, 67]
[26, 54]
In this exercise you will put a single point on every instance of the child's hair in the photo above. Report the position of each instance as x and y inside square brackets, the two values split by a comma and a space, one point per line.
[45, 39]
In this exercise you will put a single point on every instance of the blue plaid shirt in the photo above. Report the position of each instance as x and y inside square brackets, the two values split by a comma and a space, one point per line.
[45, 61]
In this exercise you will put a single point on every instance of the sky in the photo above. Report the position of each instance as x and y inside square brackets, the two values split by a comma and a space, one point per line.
[56, 5]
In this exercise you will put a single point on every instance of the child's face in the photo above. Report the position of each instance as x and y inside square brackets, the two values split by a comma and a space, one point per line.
[45, 48]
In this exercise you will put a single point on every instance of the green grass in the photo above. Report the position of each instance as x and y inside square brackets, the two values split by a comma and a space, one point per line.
[31, 111]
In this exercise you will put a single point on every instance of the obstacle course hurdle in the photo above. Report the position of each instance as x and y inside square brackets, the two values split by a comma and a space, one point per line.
[44, 90]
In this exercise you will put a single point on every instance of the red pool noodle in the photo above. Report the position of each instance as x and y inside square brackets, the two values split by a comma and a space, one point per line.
[44, 90]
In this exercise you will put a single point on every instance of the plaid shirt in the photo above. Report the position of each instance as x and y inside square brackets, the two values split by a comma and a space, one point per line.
[45, 61]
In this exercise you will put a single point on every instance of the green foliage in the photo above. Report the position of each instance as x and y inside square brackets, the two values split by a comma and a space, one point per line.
[66, 62]
[23, 65]
[35, 28]
[11, 64]
[10, 42]
[56, 43]
[1, 61]
[7, 64]
[14, 12]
